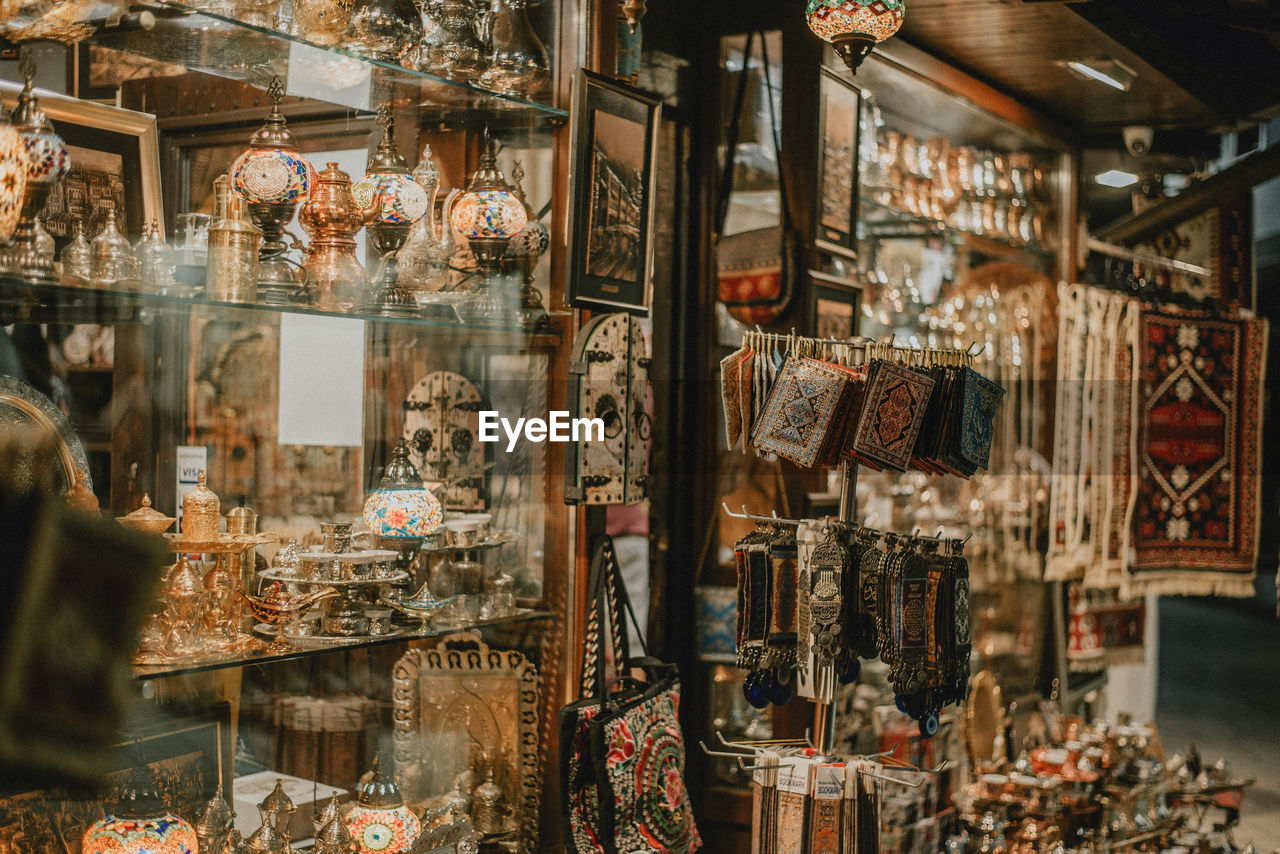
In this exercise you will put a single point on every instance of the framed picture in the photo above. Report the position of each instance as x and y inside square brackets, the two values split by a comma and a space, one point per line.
[615, 133]
[465, 708]
[111, 149]
[835, 304]
[836, 196]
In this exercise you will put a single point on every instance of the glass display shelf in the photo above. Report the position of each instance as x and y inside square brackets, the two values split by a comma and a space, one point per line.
[220, 45]
[314, 647]
[21, 300]
[876, 220]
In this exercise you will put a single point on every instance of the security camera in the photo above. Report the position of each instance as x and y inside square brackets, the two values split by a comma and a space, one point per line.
[1138, 138]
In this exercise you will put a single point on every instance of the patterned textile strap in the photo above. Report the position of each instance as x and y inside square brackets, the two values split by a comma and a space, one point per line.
[601, 580]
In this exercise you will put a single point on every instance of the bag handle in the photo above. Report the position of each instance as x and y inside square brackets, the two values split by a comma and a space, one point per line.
[776, 133]
[616, 594]
[726, 175]
[592, 658]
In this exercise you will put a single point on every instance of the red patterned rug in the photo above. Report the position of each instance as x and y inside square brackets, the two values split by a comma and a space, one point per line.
[1103, 630]
[1195, 526]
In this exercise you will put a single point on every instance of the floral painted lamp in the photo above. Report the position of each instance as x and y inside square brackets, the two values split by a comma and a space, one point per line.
[139, 823]
[380, 822]
[401, 512]
[854, 27]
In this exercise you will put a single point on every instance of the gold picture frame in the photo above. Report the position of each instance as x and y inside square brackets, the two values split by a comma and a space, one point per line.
[459, 709]
[110, 134]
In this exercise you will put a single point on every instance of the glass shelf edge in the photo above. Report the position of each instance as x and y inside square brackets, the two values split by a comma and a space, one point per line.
[163, 671]
[107, 304]
[169, 11]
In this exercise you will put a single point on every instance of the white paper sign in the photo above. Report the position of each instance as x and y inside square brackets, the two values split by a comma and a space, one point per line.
[326, 76]
[321, 381]
[192, 459]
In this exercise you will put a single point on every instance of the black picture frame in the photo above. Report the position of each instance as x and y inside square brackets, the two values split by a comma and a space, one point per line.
[835, 196]
[190, 755]
[834, 304]
[615, 135]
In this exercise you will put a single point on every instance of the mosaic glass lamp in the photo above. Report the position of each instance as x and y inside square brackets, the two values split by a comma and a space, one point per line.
[13, 176]
[854, 27]
[273, 177]
[488, 214]
[380, 822]
[401, 512]
[392, 202]
[139, 823]
[47, 164]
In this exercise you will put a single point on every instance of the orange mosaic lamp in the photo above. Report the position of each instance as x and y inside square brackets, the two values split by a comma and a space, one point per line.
[140, 824]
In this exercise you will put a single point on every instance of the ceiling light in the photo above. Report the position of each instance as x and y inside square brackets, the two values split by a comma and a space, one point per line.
[1111, 72]
[1116, 178]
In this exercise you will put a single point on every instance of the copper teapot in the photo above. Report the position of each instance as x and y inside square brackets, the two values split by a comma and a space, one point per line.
[331, 217]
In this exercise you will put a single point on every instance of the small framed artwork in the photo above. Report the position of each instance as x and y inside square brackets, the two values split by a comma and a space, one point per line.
[835, 304]
[615, 133]
[836, 196]
[111, 148]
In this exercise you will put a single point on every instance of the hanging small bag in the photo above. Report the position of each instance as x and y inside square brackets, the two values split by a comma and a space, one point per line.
[755, 270]
[621, 749]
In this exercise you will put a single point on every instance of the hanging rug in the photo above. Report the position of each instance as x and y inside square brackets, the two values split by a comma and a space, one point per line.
[1196, 469]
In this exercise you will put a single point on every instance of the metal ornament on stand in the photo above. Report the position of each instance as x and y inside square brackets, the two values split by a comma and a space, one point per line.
[452, 49]
[273, 178]
[392, 202]
[47, 164]
[523, 253]
[518, 62]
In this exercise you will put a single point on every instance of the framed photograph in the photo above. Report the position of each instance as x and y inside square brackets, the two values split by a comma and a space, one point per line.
[835, 304]
[836, 196]
[615, 134]
[110, 149]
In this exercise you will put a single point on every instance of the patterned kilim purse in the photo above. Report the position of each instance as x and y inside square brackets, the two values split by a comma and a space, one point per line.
[621, 749]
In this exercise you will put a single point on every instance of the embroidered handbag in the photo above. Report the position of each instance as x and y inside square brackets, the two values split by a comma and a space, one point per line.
[621, 749]
[755, 270]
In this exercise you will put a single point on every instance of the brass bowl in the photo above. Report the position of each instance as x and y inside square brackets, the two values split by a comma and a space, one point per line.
[146, 520]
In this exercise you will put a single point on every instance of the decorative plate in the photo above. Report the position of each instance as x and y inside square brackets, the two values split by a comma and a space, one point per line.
[23, 409]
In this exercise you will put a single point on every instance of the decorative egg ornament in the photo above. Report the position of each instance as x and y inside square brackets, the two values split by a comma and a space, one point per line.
[854, 27]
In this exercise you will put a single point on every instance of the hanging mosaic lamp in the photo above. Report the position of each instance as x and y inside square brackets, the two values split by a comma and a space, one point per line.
[140, 824]
[380, 822]
[854, 27]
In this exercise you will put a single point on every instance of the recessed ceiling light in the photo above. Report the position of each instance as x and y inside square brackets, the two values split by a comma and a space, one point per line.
[1109, 72]
[1116, 178]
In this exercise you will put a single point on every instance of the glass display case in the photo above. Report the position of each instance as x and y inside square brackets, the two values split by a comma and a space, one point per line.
[356, 584]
